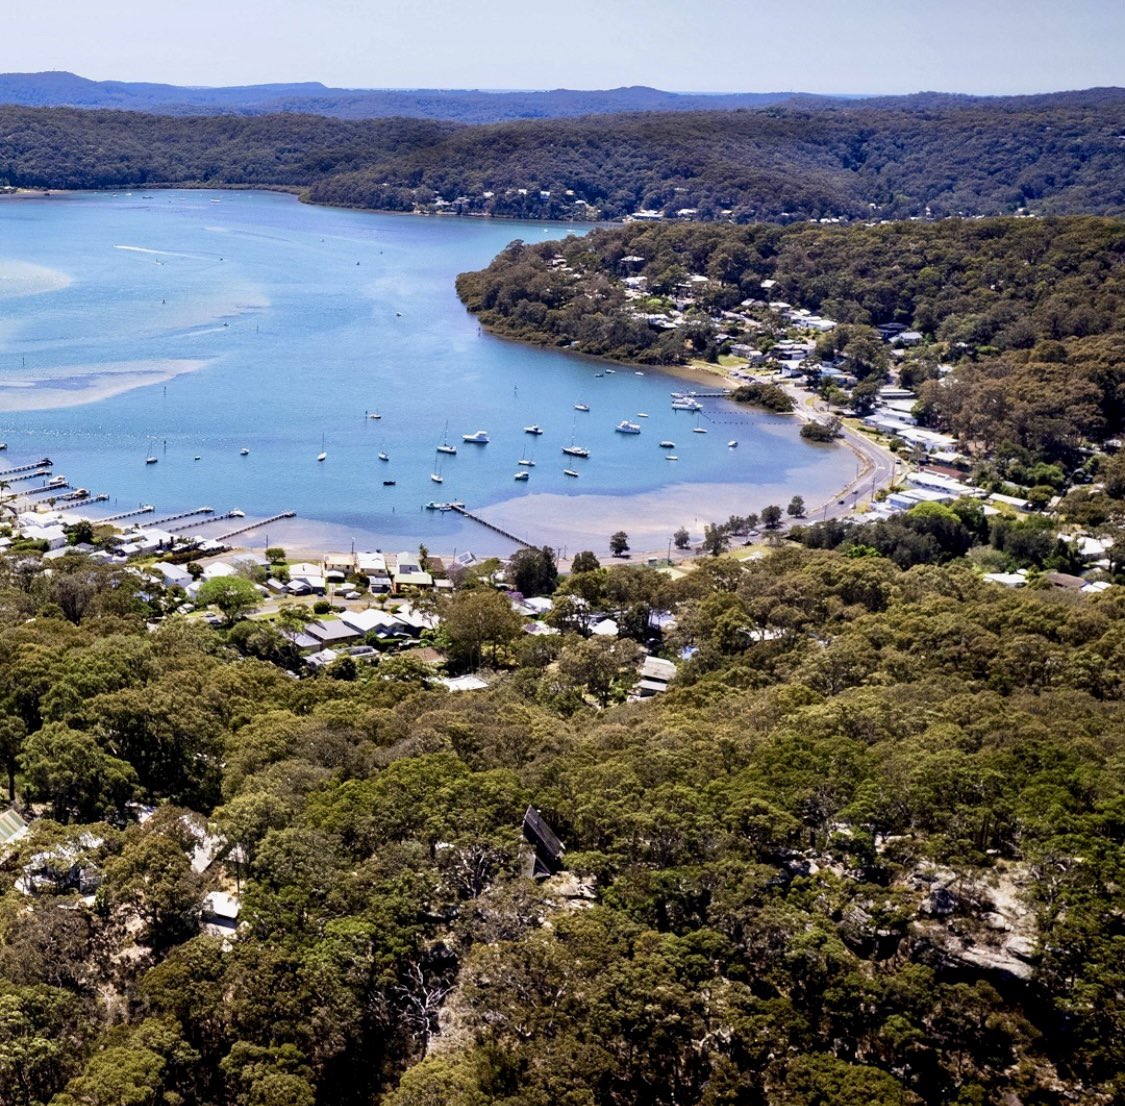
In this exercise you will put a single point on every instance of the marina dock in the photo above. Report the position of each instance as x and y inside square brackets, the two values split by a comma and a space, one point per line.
[463, 510]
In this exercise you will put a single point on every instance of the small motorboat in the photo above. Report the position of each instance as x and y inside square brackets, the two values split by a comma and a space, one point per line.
[388, 483]
[521, 476]
[642, 414]
[244, 452]
[667, 444]
[236, 512]
[576, 451]
[534, 428]
[582, 407]
[374, 415]
[670, 457]
[477, 437]
[732, 444]
[383, 457]
[569, 472]
[699, 430]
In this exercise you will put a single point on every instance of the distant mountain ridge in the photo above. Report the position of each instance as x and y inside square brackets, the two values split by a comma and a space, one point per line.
[62, 89]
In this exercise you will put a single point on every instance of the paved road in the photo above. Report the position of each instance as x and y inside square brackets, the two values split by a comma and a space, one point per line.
[876, 464]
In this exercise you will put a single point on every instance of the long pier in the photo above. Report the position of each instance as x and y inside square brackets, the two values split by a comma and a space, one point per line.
[462, 510]
[29, 475]
[42, 463]
[722, 394]
[255, 525]
[145, 509]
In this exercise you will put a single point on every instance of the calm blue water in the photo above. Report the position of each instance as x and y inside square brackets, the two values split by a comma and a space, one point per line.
[302, 320]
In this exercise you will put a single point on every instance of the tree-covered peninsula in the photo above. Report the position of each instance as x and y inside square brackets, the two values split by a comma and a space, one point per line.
[1029, 313]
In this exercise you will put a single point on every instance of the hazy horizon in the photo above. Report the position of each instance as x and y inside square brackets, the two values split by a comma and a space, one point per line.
[498, 90]
[882, 47]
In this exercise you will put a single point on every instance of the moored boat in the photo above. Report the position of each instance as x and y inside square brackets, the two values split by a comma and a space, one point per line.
[477, 437]
[627, 427]
[576, 451]
[569, 472]
[521, 476]
[534, 428]
[445, 447]
[667, 444]
[582, 407]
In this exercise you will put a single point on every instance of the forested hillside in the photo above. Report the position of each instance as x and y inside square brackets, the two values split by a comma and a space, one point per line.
[778, 164]
[866, 851]
[773, 165]
[68, 148]
[1030, 311]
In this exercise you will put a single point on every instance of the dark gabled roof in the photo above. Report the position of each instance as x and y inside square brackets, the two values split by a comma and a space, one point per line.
[548, 848]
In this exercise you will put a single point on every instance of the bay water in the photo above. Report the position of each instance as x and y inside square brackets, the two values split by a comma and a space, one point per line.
[191, 325]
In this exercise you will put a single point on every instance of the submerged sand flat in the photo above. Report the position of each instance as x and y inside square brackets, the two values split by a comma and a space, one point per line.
[72, 385]
[24, 278]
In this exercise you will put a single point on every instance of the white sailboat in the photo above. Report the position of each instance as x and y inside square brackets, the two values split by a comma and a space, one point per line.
[322, 455]
[445, 447]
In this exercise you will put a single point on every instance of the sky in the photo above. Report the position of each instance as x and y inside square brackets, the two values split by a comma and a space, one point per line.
[826, 46]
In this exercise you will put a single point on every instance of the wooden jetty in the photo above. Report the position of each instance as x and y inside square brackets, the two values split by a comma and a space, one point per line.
[25, 475]
[461, 509]
[183, 514]
[42, 463]
[255, 525]
[46, 488]
[144, 509]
